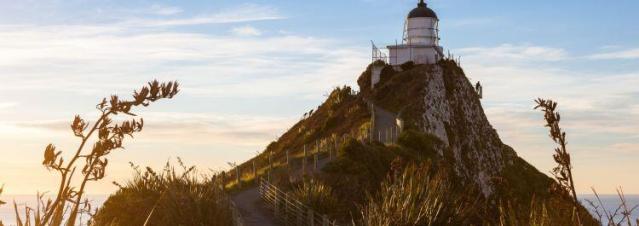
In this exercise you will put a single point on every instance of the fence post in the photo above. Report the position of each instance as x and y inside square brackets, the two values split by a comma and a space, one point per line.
[270, 164]
[223, 175]
[254, 170]
[392, 134]
[325, 221]
[275, 204]
[286, 207]
[237, 174]
[304, 161]
[311, 218]
[388, 135]
[331, 150]
[315, 157]
[288, 163]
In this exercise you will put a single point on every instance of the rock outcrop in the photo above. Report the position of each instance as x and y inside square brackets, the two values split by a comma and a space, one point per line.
[438, 99]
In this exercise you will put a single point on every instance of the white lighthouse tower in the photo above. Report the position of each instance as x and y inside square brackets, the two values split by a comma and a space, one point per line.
[420, 42]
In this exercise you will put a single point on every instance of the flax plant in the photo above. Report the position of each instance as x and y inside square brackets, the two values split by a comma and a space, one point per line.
[1, 202]
[563, 171]
[89, 164]
[318, 196]
[415, 197]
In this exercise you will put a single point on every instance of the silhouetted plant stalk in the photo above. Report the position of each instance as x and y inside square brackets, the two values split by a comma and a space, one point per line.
[622, 210]
[1, 202]
[110, 137]
[563, 170]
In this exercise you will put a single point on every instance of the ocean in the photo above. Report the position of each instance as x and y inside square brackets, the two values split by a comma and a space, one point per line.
[7, 214]
[611, 202]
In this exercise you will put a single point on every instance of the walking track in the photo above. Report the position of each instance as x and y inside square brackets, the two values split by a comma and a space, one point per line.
[253, 211]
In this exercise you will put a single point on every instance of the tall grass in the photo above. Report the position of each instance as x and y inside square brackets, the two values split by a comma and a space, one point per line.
[415, 197]
[171, 196]
[318, 196]
[538, 215]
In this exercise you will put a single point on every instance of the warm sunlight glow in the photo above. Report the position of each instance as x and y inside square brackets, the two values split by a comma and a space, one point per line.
[287, 101]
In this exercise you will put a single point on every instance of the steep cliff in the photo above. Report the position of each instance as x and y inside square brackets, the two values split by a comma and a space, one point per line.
[439, 100]
[443, 123]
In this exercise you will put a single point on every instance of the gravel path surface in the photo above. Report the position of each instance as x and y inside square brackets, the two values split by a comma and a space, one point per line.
[252, 208]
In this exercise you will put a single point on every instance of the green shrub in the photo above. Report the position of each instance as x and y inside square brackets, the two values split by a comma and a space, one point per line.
[318, 196]
[407, 66]
[416, 197]
[379, 63]
[424, 145]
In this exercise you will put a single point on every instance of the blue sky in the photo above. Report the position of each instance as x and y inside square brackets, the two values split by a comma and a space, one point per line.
[250, 69]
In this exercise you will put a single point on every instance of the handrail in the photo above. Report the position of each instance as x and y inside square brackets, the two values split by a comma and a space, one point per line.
[289, 210]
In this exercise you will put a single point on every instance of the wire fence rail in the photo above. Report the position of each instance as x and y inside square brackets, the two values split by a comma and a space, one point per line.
[288, 210]
[311, 154]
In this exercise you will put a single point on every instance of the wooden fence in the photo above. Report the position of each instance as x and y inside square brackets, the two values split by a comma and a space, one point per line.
[289, 210]
[313, 153]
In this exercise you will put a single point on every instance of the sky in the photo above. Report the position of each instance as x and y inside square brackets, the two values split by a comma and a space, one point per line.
[250, 69]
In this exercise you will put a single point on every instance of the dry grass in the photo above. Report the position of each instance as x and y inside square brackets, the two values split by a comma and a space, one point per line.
[318, 196]
[172, 196]
[415, 197]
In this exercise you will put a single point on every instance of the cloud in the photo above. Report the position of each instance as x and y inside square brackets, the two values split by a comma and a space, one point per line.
[87, 59]
[512, 53]
[192, 128]
[471, 22]
[623, 54]
[221, 75]
[243, 13]
[246, 31]
[165, 10]
[627, 148]
[5, 105]
[599, 109]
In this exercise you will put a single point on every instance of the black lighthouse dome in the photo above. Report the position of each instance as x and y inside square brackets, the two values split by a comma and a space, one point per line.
[422, 11]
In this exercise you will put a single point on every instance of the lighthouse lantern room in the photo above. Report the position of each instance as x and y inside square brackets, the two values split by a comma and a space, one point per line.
[420, 42]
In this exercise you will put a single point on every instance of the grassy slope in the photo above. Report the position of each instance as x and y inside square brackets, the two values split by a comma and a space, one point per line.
[361, 168]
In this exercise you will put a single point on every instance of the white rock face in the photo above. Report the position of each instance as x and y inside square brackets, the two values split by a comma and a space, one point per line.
[454, 114]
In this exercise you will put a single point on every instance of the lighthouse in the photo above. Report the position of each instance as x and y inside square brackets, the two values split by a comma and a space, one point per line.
[420, 41]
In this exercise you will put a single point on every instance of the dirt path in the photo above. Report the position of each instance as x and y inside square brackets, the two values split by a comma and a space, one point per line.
[252, 208]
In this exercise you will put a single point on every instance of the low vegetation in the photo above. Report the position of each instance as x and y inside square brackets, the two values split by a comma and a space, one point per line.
[416, 196]
[382, 184]
[89, 162]
[318, 195]
[367, 183]
[172, 196]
